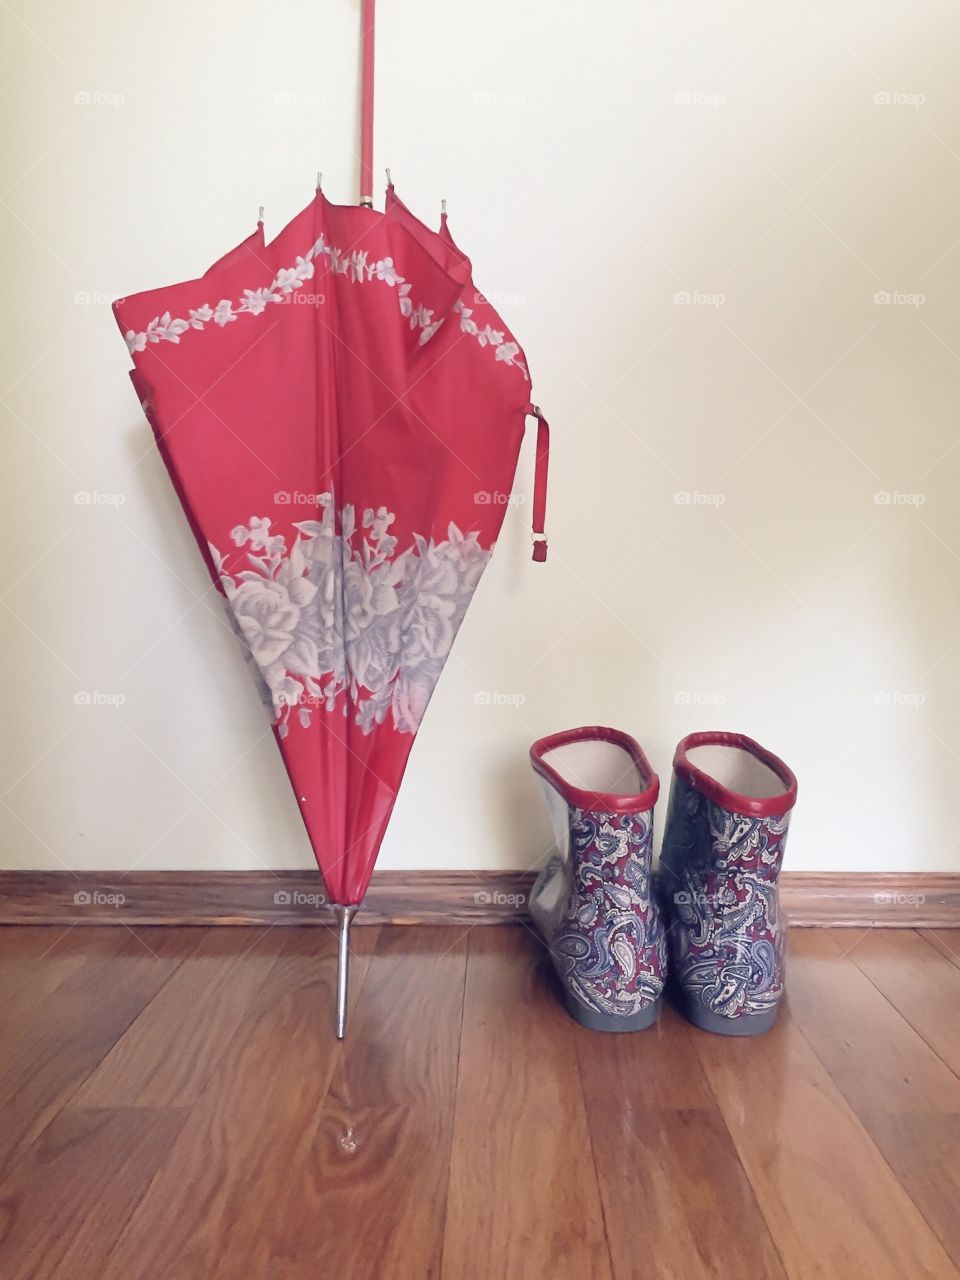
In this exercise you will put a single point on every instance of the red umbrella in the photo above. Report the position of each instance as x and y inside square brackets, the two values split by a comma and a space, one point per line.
[341, 413]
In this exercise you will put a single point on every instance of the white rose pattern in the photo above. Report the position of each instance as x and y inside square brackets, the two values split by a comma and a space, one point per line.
[340, 613]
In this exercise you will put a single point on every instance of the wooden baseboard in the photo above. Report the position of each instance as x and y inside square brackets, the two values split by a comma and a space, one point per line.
[916, 900]
[256, 897]
[906, 900]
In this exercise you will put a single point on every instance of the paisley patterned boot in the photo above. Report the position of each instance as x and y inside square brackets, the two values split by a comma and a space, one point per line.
[592, 902]
[730, 804]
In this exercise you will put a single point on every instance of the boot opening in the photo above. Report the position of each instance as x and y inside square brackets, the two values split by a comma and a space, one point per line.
[737, 769]
[597, 768]
[598, 765]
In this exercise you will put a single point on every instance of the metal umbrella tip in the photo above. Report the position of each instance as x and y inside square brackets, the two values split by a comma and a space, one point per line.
[344, 917]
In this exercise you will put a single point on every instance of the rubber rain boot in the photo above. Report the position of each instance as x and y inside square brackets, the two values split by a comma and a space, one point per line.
[730, 803]
[593, 902]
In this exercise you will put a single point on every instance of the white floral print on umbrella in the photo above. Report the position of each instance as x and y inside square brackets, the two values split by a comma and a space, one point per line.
[339, 618]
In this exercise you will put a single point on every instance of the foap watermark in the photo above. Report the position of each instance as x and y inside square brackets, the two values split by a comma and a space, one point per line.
[898, 698]
[898, 98]
[698, 298]
[300, 299]
[293, 98]
[898, 298]
[299, 898]
[496, 498]
[497, 898]
[892, 898]
[98, 898]
[498, 98]
[700, 898]
[698, 698]
[97, 98]
[94, 298]
[94, 498]
[694, 498]
[894, 498]
[97, 698]
[497, 698]
[499, 299]
[298, 498]
[698, 98]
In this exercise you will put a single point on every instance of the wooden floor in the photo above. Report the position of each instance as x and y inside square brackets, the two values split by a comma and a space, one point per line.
[173, 1105]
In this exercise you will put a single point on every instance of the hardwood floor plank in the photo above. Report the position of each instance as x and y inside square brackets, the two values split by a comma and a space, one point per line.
[657, 1070]
[870, 1050]
[947, 942]
[370, 1199]
[923, 1149]
[517, 1049]
[33, 963]
[65, 1203]
[404, 1039]
[667, 1167]
[906, 1098]
[60, 1039]
[210, 1213]
[165, 1059]
[467, 1128]
[523, 1196]
[36, 962]
[676, 1200]
[831, 1202]
[920, 982]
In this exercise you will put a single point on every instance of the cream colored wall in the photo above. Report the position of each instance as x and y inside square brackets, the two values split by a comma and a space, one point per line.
[600, 160]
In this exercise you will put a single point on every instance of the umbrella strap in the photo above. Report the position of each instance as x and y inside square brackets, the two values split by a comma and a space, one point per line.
[540, 484]
[366, 106]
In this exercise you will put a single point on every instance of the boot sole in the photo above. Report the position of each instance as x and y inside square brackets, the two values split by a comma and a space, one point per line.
[611, 1022]
[746, 1024]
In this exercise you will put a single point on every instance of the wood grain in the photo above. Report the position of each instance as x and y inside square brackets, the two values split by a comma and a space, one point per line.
[34, 962]
[666, 1164]
[211, 1210]
[920, 982]
[370, 1198]
[905, 1097]
[656, 1071]
[523, 1195]
[908, 900]
[467, 1128]
[164, 1059]
[830, 1200]
[258, 897]
[404, 1039]
[870, 1050]
[674, 1177]
[872, 899]
[58, 1041]
[946, 941]
[64, 1205]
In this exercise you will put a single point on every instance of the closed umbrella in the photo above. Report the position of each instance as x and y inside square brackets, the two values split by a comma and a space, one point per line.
[341, 413]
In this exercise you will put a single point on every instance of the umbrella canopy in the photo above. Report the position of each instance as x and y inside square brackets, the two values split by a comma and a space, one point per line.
[341, 413]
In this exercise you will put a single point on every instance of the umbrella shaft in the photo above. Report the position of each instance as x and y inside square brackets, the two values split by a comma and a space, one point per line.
[366, 104]
[344, 916]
